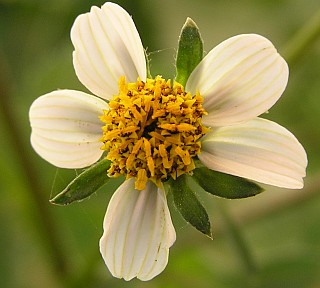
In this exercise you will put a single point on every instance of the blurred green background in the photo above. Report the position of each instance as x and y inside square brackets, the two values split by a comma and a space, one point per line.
[42, 245]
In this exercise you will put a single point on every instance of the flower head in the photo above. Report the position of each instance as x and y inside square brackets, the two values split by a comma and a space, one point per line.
[154, 129]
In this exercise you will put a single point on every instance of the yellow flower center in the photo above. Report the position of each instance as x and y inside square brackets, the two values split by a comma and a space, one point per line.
[152, 131]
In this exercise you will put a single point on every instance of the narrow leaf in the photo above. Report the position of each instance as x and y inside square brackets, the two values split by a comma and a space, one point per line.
[190, 51]
[188, 204]
[84, 184]
[225, 185]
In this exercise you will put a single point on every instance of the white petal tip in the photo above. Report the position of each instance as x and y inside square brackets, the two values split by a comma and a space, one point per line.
[66, 128]
[138, 232]
[260, 150]
[107, 46]
[239, 79]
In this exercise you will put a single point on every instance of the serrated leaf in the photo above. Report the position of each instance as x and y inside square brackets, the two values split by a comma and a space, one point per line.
[188, 204]
[225, 185]
[84, 184]
[190, 51]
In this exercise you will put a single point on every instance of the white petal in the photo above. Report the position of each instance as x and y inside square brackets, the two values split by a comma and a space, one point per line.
[107, 46]
[138, 232]
[66, 128]
[239, 79]
[260, 150]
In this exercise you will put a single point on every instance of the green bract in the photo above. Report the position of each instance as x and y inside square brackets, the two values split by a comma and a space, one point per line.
[188, 204]
[85, 184]
[225, 185]
[190, 51]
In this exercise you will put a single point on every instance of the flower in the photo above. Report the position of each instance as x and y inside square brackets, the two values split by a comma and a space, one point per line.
[152, 129]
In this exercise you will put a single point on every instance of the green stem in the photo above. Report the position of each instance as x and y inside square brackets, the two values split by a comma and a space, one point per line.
[238, 240]
[44, 219]
[303, 39]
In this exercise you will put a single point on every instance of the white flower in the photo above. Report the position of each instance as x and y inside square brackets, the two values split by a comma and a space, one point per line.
[239, 80]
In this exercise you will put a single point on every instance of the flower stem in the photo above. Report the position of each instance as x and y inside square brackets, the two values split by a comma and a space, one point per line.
[240, 245]
[304, 38]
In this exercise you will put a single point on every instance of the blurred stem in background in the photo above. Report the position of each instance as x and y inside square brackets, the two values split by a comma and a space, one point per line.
[302, 40]
[43, 219]
[233, 231]
[244, 252]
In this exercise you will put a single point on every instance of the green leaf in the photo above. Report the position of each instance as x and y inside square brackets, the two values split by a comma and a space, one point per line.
[225, 185]
[188, 204]
[84, 184]
[190, 51]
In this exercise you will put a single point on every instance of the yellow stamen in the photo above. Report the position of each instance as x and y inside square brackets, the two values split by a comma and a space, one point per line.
[152, 131]
[150, 163]
[134, 151]
[157, 136]
[184, 155]
[141, 179]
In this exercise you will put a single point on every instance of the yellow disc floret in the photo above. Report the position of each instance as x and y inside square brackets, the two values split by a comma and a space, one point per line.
[152, 131]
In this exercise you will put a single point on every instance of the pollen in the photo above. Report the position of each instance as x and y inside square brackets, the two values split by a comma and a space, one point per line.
[152, 131]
